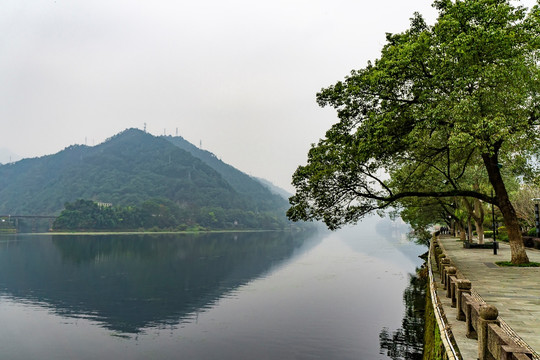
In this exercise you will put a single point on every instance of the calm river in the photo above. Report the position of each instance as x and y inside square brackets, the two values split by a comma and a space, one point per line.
[266, 295]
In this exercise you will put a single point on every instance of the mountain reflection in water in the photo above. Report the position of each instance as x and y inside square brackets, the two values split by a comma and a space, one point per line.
[265, 295]
[130, 282]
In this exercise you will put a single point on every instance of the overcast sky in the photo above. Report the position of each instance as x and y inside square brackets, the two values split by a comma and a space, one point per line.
[239, 76]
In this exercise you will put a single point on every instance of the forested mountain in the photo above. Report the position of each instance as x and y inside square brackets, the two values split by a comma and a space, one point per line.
[240, 181]
[130, 169]
[275, 189]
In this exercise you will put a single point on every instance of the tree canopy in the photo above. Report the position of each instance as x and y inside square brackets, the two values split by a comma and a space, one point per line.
[441, 100]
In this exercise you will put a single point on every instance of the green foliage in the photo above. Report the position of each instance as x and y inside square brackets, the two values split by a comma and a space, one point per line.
[439, 101]
[502, 233]
[532, 232]
[158, 215]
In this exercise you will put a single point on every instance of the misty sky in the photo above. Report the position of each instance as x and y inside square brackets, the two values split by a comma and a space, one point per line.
[238, 75]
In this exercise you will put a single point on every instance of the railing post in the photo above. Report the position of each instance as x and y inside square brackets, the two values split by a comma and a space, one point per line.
[488, 315]
[445, 262]
[470, 319]
[462, 287]
[439, 260]
[450, 271]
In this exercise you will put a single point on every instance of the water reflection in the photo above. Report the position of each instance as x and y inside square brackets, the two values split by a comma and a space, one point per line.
[407, 342]
[128, 283]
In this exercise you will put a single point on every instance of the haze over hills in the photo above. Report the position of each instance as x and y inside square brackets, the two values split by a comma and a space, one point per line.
[239, 180]
[133, 167]
[6, 156]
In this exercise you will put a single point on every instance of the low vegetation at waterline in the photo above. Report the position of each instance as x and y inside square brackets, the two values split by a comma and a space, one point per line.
[160, 214]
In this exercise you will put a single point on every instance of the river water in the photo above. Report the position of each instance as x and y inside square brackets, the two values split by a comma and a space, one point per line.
[263, 295]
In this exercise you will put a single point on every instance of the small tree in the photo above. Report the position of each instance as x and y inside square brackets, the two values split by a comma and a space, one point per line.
[522, 200]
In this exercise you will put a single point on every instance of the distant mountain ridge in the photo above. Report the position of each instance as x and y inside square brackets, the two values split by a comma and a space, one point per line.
[240, 181]
[275, 189]
[128, 169]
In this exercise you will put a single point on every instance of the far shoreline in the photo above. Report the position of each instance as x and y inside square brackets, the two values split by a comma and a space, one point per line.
[66, 233]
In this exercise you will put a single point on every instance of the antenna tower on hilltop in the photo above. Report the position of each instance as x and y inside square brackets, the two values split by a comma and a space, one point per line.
[144, 127]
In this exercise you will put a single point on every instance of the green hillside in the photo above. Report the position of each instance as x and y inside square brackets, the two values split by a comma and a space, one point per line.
[240, 181]
[130, 169]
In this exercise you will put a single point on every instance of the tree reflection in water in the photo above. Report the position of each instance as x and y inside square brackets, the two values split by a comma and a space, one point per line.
[407, 342]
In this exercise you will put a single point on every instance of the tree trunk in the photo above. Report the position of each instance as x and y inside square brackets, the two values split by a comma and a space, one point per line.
[517, 247]
[480, 232]
[477, 214]
[469, 229]
[479, 220]
[462, 233]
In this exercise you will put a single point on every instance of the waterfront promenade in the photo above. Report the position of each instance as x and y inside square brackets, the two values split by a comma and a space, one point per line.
[514, 291]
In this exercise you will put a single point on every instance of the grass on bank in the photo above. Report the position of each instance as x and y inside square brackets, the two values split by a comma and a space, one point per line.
[509, 264]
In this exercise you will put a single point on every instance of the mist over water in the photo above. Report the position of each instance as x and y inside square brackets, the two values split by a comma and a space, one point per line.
[268, 295]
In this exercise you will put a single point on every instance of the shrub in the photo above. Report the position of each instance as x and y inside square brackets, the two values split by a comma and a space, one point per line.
[503, 234]
[508, 263]
[532, 232]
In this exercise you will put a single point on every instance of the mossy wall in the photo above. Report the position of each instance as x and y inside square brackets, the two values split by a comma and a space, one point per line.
[433, 345]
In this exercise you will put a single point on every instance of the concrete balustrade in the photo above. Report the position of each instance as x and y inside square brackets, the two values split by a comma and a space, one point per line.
[501, 346]
[472, 314]
[463, 287]
[449, 273]
[452, 289]
[488, 315]
[440, 258]
[445, 262]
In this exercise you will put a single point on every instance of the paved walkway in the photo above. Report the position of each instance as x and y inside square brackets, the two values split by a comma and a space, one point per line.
[514, 291]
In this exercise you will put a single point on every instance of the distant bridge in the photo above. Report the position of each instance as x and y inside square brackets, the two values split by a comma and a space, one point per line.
[32, 218]
[28, 216]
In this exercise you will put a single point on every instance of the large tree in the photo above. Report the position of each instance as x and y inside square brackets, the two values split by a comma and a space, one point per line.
[440, 99]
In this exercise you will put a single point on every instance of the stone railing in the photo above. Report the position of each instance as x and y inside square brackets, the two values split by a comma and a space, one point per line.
[481, 319]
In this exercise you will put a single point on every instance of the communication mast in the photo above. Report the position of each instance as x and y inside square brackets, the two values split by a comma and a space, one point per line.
[144, 127]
